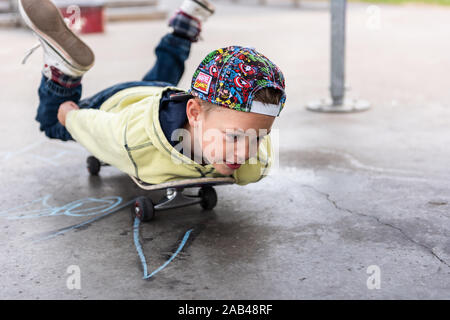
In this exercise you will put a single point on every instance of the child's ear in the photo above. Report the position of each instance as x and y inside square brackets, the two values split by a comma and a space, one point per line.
[193, 111]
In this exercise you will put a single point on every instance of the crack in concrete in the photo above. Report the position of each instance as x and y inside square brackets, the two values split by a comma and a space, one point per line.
[338, 207]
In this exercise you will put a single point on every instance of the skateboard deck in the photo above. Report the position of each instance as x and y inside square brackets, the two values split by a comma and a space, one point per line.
[185, 183]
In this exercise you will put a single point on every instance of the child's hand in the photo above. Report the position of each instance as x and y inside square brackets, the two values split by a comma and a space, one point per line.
[64, 109]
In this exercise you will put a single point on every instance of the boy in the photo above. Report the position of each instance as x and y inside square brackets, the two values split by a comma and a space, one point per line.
[134, 126]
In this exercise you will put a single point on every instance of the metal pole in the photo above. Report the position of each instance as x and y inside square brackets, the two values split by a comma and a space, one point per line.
[14, 11]
[337, 87]
[338, 103]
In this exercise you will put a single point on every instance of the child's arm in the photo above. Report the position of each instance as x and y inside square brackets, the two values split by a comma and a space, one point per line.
[100, 132]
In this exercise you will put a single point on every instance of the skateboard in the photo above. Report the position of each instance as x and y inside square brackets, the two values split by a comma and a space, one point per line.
[145, 209]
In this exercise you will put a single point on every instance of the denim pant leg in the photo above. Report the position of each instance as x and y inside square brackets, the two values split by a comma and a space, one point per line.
[51, 96]
[96, 101]
[171, 53]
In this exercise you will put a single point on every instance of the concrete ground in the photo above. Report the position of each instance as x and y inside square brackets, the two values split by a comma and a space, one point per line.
[352, 191]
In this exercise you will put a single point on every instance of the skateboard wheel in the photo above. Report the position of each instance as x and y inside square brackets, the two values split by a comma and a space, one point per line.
[143, 209]
[93, 165]
[209, 197]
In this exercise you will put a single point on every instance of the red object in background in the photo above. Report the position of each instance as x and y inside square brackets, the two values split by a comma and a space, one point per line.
[90, 18]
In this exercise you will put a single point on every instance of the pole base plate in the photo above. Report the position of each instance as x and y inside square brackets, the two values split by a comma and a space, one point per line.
[349, 105]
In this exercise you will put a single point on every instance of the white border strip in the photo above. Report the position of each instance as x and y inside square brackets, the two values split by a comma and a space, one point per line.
[267, 109]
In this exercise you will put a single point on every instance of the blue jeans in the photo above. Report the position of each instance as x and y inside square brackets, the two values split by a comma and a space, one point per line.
[171, 53]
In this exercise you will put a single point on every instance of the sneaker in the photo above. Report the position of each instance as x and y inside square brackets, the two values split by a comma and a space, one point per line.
[63, 49]
[199, 9]
[187, 20]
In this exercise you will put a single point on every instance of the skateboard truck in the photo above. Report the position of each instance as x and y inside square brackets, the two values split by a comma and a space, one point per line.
[145, 209]
[175, 199]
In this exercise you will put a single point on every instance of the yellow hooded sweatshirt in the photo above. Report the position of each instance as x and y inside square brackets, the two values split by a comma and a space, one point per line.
[126, 133]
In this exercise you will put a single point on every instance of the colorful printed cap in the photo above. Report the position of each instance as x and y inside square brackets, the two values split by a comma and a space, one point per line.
[231, 76]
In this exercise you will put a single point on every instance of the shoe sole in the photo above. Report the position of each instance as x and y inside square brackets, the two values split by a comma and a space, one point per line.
[210, 8]
[44, 18]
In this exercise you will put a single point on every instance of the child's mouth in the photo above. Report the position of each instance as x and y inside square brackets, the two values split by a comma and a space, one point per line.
[233, 166]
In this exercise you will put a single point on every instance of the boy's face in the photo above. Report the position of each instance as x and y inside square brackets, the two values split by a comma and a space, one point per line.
[229, 137]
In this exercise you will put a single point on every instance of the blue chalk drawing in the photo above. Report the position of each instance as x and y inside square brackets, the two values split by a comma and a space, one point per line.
[141, 252]
[77, 226]
[50, 160]
[83, 208]
[5, 156]
[31, 150]
[78, 208]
